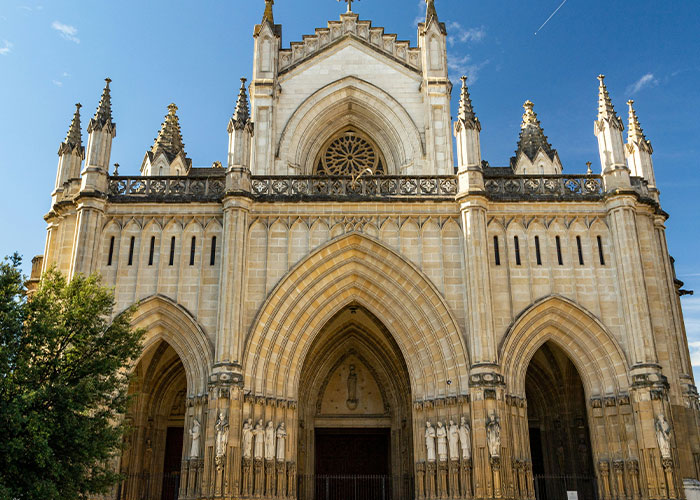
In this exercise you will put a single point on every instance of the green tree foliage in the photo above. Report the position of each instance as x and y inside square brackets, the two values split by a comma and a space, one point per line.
[63, 385]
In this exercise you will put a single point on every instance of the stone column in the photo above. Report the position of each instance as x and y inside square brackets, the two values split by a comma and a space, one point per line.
[88, 229]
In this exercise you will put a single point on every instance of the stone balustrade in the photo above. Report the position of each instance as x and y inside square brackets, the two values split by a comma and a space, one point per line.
[371, 188]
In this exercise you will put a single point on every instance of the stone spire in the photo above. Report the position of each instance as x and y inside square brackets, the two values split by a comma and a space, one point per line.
[606, 110]
[532, 139]
[431, 15]
[241, 117]
[635, 134]
[169, 140]
[268, 15]
[74, 138]
[638, 151]
[466, 113]
[103, 116]
[608, 129]
[268, 19]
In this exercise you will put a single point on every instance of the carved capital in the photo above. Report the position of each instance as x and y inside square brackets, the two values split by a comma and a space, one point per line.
[489, 379]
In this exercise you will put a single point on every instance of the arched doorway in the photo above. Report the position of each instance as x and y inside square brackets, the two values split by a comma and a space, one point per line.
[560, 444]
[354, 413]
[152, 456]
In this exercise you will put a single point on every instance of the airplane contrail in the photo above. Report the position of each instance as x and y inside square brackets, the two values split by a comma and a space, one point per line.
[550, 17]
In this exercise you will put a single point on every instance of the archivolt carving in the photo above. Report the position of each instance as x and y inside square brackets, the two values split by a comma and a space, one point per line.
[350, 102]
[597, 356]
[165, 320]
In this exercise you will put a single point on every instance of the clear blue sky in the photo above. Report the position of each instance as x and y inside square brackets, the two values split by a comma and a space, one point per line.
[56, 53]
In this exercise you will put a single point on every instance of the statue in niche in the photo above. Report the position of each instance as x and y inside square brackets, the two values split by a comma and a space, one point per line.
[281, 442]
[259, 436]
[430, 441]
[352, 389]
[465, 438]
[663, 435]
[493, 436]
[247, 442]
[453, 439]
[221, 428]
[270, 441]
[196, 433]
[441, 434]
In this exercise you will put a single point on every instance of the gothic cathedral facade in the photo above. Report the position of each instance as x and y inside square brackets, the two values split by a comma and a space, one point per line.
[338, 306]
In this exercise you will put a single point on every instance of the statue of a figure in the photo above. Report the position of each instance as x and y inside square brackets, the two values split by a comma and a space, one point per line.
[465, 439]
[281, 442]
[441, 434]
[247, 444]
[352, 389]
[453, 440]
[221, 428]
[196, 433]
[493, 436]
[663, 435]
[430, 441]
[270, 441]
[259, 435]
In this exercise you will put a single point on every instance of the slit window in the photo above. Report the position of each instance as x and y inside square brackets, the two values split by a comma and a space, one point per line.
[172, 251]
[131, 250]
[212, 257]
[496, 251]
[580, 250]
[516, 242]
[600, 251]
[538, 253]
[560, 259]
[111, 251]
[194, 242]
[152, 249]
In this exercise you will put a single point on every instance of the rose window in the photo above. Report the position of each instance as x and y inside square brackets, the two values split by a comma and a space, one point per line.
[349, 154]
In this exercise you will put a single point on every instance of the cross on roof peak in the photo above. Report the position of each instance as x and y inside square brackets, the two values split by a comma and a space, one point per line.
[349, 2]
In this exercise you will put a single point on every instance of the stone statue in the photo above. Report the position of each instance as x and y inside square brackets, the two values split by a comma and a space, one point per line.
[259, 435]
[247, 442]
[441, 434]
[493, 436]
[430, 441]
[663, 435]
[270, 441]
[281, 442]
[352, 389]
[221, 428]
[196, 433]
[465, 439]
[453, 440]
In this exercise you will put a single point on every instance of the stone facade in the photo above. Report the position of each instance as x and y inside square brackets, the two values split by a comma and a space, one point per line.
[542, 309]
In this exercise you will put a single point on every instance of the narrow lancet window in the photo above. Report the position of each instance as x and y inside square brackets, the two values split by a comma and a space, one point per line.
[600, 251]
[538, 253]
[516, 242]
[580, 250]
[192, 247]
[212, 257]
[172, 251]
[560, 259]
[131, 250]
[111, 251]
[152, 249]
[496, 251]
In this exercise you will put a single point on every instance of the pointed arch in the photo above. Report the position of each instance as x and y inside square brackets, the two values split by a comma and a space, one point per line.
[350, 101]
[598, 357]
[164, 319]
[355, 269]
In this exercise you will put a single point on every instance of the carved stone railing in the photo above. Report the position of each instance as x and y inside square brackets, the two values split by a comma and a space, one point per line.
[321, 188]
[376, 187]
[544, 188]
[172, 189]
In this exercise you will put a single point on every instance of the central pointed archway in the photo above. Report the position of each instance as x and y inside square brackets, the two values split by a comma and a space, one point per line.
[355, 412]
